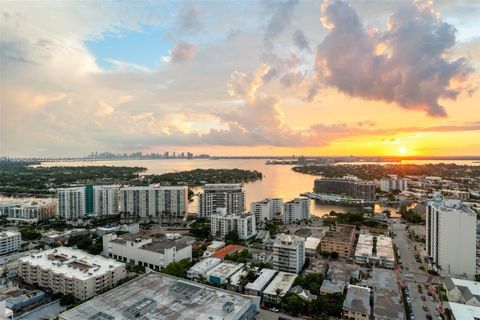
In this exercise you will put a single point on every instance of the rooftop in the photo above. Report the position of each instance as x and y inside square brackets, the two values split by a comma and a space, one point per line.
[386, 295]
[205, 265]
[164, 297]
[225, 269]
[312, 243]
[9, 234]
[73, 263]
[357, 299]
[222, 253]
[467, 287]
[464, 311]
[342, 233]
[155, 245]
[384, 246]
[265, 276]
[283, 281]
[332, 287]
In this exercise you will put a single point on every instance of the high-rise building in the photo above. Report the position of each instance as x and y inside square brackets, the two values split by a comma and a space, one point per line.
[391, 184]
[228, 196]
[106, 199]
[266, 210]
[222, 223]
[10, 241]
[296, 210]
[451, 236]
[354, 188]
[72, 203]
[288, 253]
[166, 203]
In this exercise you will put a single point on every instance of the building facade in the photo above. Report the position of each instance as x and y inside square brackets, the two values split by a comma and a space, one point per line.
[340, 240]
[288, 253]
[214, 196]
[295, 210]
[28, 210]
[106, 199]
[72, 203]
[67, 270]
[388, 185]
[222, 223]
[162, 203]
[10, 241]
[357, 189]
[266, 210]
[451, 236]
[155, 254]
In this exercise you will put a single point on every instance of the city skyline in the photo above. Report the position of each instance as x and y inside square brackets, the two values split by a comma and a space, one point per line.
[327, 78]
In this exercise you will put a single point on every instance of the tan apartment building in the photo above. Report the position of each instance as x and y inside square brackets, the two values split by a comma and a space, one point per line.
[340, 240]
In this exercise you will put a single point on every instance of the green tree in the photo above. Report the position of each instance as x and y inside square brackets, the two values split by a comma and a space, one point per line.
[232, 237]
[67, 299]
[334, 255]
[178, 268]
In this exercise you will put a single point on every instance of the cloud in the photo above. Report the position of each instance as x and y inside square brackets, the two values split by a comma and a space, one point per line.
[406, 64]
[281, 13]
[189, 20]
[183, 51]
[300, 40]
[245, 87]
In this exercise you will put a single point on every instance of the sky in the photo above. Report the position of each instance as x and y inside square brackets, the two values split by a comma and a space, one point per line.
[282, 77]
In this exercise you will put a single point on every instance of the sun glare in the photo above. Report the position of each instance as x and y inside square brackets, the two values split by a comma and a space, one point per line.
[402, 150]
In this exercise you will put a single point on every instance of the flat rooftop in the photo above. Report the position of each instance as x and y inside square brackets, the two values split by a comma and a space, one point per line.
[464, 311]
[73, 263]
[157, 245]
[171, 298]
[357, 299]
[205, 265]
[312, 243]
[472, 286]
[265, 276]
[342, 233]
[384, 246]
[225, 269]
[386, 295]
[283, 281]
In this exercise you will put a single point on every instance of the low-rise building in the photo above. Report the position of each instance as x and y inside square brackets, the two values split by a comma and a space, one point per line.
[221, 273]
[387, 302]
[464, 311]
[10, 241]
[67, 270]
[225, 251]
[21, 299]
[376, 250]
[330, 287]
[159, 296]
[152, 253]
[312, 246]
[256, 288]
[200, 269]
[235, 283]
[55, 237]
[29, 210]
[213, 247]
[356, 305]
[462, 291]
[288, 253]
[279, 287]
[340, 240]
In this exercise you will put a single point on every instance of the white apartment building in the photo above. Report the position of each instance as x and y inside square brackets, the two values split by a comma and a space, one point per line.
[266, 210]
[200, 269]
[390, 184]
[68, 270]
[106, 199]
[214, 196]
[28, 210]
[71, 203]
[376, 250]
[155, 202]
[155, 254]
[451, 236]
[288, 253]
[296, 210]
[222, 223]
[10, 241]
[283, 282]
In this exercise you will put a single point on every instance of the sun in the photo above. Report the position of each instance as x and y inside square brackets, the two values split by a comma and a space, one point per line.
[402, 150]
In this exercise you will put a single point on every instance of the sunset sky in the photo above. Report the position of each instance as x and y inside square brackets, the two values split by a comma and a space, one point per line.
[240, 77]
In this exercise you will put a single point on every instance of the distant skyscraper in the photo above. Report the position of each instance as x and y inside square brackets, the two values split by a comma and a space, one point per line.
[451, 236]
[228, 196]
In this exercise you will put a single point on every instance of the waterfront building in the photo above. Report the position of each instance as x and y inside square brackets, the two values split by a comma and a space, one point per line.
[288, 253]
[10, 241]
[222, 223]
[214, 196]
[353, 188]
[153, 253]
[279, 287]
[451, 236]
[28, 209]
[296, 210]
[160, 296]
[72, 202]
[155, 202]
[356, 305]
[106, 199]
[376, 250]
[67, 270]
[340, 240]
[267, 209]
[390, 184]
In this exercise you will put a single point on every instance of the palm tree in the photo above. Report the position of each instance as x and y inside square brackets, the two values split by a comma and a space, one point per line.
[278, 293]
